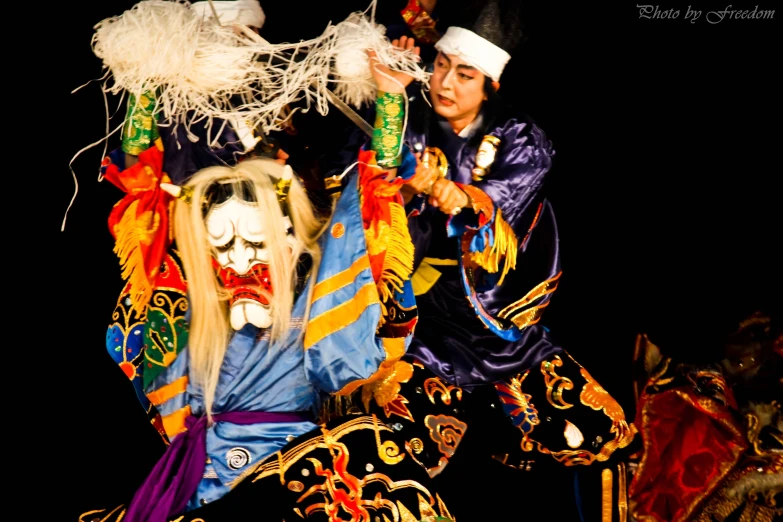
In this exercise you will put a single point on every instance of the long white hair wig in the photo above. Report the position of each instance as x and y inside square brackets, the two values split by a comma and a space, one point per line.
[210, 330]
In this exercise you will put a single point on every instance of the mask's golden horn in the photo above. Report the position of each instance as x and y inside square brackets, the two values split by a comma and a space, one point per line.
[183, 193]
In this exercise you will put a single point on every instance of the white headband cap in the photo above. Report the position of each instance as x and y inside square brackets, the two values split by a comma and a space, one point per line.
[245, 12]
[475, 50]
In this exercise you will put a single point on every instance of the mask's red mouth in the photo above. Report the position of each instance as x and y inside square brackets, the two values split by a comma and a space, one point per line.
[255, 284]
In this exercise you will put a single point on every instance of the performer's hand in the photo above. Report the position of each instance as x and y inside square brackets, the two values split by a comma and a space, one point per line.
[447, 196]
[423, 179]
[387, 80]
[281, 157]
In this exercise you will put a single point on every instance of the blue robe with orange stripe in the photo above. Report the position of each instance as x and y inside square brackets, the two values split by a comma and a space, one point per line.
[341, 349]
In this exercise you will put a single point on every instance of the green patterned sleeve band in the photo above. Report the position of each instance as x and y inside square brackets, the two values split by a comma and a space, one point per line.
[141, 126]
[387, 136]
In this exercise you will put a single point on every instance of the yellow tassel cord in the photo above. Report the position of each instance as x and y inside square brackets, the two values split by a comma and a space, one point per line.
[505, 246]
[130, 233]
[398, 261]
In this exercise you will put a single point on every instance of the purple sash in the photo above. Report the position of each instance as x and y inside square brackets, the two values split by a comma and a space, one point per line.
[176, 476]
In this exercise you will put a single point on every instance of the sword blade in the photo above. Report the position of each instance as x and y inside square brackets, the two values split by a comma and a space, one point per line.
[348, 111]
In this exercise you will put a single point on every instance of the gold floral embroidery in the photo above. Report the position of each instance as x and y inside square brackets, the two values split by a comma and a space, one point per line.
[597, 398]
[284, 461]
[444, 512]
[92, 514]
[555, 384]
[584, 457]
[446, 432]
[397, 407]
[539, 291]
[166, 330]
[126, 319]
[529, 317]
[510, 392]
[387, 385]
[405, 514]
[435, 471]
[347, 498]
[416, 444]
[342, 492]
[425, 509]
[434, 384]
[384, 385]
[388, 451]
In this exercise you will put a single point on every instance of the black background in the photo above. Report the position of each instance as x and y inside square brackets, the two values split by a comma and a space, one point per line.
[664, 185]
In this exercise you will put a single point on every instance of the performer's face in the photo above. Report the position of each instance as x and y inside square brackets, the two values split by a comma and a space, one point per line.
[241, 259]
[457, 89]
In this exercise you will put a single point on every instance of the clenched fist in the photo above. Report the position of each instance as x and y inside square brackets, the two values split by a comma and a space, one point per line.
[448, 197]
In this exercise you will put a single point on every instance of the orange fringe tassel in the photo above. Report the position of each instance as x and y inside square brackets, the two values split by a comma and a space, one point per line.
[505, 246]
[128, 249]
[398, 261]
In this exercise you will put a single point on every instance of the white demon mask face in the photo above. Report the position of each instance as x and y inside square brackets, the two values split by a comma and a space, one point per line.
[235, 229]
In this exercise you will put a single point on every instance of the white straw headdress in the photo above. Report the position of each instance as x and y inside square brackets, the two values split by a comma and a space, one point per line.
[202, 71]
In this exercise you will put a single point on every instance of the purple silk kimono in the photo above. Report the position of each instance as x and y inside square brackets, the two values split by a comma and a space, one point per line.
[461, 335]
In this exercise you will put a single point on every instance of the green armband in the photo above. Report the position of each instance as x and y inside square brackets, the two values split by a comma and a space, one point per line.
[387, 136]
[141, 125]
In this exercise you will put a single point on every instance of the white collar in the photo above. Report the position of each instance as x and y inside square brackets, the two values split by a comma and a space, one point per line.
[471, 128]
